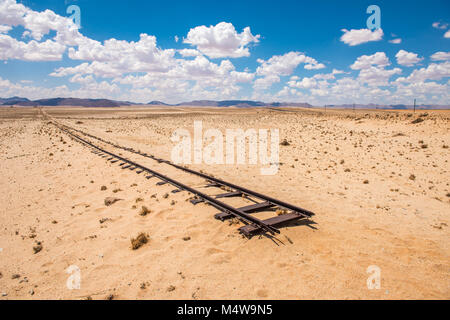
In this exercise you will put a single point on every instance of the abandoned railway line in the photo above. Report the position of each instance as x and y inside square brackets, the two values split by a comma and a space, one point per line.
[285, 212]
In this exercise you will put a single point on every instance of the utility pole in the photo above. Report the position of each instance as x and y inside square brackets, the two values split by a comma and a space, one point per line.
[414, 105]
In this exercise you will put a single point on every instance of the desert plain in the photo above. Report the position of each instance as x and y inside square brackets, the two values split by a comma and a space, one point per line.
[377, 181]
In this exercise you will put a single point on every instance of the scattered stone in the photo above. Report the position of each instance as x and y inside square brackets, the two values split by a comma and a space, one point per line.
[165, 196]
[171, 288]
[418, 120]
[144, 211]
[117, 190]
[412, 177]
[186, 238]
[15, 276]
[285, 143]
[111, 200]
[103, 220]
[110, 297]
[366, 182]
[172, 203]
[103, 188]
[38, 247]
[139, 241]
[31, 292]
[281, 212]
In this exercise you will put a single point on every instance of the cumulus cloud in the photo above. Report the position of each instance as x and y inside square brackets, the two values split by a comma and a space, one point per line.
[440, 25]
[189, 52]
[365, 62]
[435, 71]
[282, 65]
[30, 51]
[355, 37]
[377, 76]
[221, 40]
[5, 29]
[406, 58]
[395, 41]
[441, 56]
[447, 34]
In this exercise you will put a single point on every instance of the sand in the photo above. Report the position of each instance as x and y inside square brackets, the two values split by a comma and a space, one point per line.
[378, 185]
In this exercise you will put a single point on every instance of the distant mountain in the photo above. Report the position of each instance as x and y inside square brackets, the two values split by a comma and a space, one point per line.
[13, 100]
[64, 102]
[157, 103]
[232, 103]
[97, 103]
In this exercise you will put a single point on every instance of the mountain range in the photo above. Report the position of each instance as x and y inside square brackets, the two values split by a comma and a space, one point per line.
[95, 103]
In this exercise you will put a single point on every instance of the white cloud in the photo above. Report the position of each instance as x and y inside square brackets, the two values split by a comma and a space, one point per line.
[221, 40]
[365, 62]
[314, 66]
[282, 65]
[285, 64]
[440, 25]
[395, 41]
[406, 58]
[377, 76]
[355, 37]
[435, 71]
[441, 56]
[189, 52]
[30, 51]
[5, 29]
[447, 34]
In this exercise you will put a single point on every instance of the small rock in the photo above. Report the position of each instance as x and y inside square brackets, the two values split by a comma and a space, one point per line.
[103, 188]
[144, 211]
[186, 238]
[15, 276]
[171, 288]
[37, 248]
[139, 241]
[111, 200]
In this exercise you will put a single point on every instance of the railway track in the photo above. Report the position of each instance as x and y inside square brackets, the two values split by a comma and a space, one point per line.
[286, 213]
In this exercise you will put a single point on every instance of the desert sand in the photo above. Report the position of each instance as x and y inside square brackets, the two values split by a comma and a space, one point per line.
[377, 183]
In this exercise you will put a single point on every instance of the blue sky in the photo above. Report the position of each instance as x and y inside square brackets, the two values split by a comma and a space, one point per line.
[319, 52]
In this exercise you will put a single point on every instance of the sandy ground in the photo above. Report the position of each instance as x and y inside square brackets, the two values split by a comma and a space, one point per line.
[378, 184]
